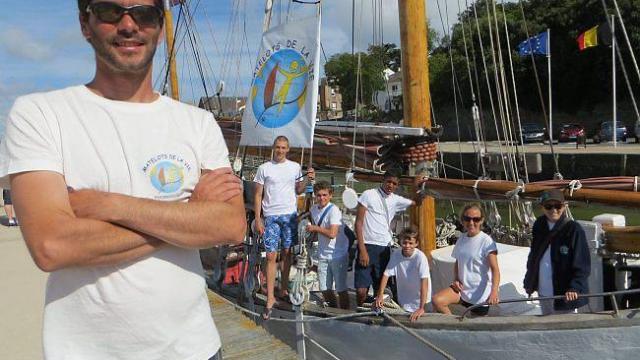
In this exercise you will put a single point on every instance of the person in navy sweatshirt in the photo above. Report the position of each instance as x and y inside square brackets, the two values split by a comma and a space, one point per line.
[559, 262]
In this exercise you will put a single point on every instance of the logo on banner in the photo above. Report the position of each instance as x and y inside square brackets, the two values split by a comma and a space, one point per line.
[279, 88]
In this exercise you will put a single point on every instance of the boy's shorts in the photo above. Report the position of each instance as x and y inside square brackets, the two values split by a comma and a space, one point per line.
[372, 274]
[330, 270]
[280, 232]
[480, 311]
[6, 197]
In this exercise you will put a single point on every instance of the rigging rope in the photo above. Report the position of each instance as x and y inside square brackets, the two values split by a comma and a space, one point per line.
[497, 72]
[545, 114]
[626, 37]
[486, 75]
[418, 337]
[446, 31]
[622, 63]
[515, 94]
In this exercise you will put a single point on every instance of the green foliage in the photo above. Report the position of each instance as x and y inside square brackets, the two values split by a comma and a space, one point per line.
[581, 81]
[341, 70]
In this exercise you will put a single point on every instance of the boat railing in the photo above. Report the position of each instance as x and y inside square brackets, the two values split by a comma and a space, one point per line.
[611, 294]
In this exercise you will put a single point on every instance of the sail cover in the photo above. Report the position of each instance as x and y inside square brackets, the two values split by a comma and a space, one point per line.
[284, 92]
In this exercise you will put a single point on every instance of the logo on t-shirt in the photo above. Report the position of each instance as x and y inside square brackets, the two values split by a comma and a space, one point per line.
[166, 172]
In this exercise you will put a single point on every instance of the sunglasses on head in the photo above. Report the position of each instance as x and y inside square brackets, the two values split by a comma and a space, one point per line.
[111, 13]
[470, 219]
[553, 206]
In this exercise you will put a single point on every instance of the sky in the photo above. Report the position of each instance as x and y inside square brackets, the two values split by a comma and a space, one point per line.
[41, 47]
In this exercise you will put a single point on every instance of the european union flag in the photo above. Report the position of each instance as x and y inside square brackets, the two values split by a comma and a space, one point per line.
[536, 45]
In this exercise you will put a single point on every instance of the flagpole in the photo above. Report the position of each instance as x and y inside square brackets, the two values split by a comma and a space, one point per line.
[613, 65]
[550, 98]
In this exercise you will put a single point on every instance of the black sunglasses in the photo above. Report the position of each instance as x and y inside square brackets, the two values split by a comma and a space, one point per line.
[469, 219]
[553, 206]
[111, 13]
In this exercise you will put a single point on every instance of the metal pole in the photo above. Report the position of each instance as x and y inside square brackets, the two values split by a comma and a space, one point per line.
[353, 27]
[300, 341]
[613, 65]
[550, 97]
[268, 6]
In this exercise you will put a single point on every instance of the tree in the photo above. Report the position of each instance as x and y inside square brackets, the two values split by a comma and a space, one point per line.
[341, 70]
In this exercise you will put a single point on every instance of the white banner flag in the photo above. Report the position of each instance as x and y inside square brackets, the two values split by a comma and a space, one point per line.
[284, 92]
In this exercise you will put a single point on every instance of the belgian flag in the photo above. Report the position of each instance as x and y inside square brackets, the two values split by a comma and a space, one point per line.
[600, 34]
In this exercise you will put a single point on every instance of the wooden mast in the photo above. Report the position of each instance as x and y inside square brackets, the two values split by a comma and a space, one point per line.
[416, 99]
[168, 26]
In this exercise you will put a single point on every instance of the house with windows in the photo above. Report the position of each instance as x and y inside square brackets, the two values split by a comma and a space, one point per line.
[390, 98]
[329, 101]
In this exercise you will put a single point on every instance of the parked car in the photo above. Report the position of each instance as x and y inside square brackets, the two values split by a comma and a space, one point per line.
[570, 132]
[605, 132]
[532, 132]
[637, 131]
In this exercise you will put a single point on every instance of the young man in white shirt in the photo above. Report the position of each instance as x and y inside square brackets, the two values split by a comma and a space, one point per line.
[150, 184]
[333, 246]
[411, 269]
[376, 209]
[280, 180]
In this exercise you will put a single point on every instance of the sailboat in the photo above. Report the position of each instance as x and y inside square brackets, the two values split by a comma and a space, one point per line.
[320, 332]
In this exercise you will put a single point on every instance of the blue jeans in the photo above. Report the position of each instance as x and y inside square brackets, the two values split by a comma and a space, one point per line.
[330, 270]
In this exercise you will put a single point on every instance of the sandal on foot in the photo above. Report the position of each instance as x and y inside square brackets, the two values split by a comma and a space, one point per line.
[266, 313]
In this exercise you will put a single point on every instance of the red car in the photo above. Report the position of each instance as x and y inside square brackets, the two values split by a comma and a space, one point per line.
[570, 132]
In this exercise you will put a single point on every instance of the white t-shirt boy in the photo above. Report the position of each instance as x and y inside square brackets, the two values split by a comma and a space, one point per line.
[152, 308]
[328, 248]
[473, 266]
[409, 271]
[279, 180]
[377, 219]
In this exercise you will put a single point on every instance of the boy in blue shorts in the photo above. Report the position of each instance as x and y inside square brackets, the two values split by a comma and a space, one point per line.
[333, 246]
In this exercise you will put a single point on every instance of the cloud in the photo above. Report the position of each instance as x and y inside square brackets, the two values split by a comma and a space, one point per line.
[20, 44]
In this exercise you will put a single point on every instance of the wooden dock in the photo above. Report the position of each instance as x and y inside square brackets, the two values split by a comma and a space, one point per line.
[243, 339]
[22, 302]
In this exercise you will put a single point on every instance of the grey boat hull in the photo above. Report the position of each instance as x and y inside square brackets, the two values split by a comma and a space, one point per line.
[575, 336]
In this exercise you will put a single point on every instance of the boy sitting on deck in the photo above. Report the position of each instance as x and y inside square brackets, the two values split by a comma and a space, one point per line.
[333, 246]
[411, 269]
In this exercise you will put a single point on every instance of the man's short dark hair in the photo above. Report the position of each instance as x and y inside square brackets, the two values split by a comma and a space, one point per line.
[323, 185]
[391, 173]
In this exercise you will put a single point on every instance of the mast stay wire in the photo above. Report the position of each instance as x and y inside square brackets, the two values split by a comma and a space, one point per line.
[355, 117]
[622, 63]
[626, 37]
[503, 92]
[195, 48]
[476, 109]
[545, 113]
[497, 74]
[486, 75]
[515, 94]
[447, 32]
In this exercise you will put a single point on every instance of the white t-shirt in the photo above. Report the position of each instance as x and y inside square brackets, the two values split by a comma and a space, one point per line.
[152, 308]
[409, 271]
[377, 220]
[545, 271]
[279, 181]
[330, 248]
[473, 266]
